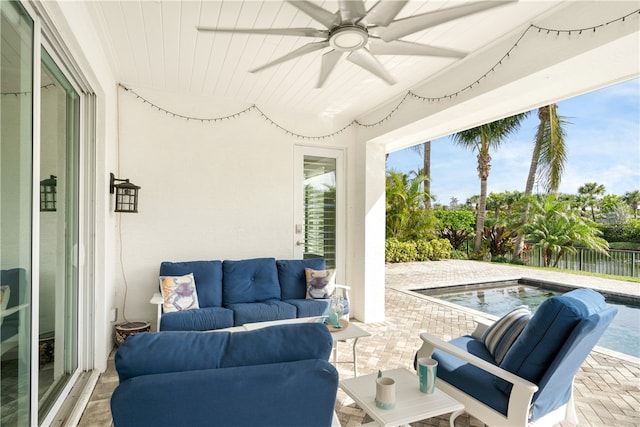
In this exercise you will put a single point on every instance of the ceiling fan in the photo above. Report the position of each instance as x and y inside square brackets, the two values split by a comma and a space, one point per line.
[361, 34]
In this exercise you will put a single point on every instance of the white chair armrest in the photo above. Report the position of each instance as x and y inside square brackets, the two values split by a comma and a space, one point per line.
[482, 324]
[158, 300]
[348, 288]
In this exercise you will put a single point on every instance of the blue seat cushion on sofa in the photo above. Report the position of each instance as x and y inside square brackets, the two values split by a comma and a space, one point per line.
[537, 346]
[150, 353]
[305, 392]
[266, 345]
[293, 282]
[310, 307]
[249, 280]
[261, 312]
[203, 319]
[470, 379]
[208, 277]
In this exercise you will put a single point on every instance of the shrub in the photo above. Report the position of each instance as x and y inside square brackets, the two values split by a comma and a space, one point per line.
[424, 251]
[516, 261]
[441, 249]
[396, 251]
[499, 259]
[456, 254]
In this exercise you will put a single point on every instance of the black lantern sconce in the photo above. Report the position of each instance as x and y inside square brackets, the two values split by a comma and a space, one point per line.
[48, 194]
[126, 195]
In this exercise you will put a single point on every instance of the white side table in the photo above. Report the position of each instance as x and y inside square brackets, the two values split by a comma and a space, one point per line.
[411, 404]
[354, 332]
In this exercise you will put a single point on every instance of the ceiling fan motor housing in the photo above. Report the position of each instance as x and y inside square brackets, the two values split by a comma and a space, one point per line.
[347, 38]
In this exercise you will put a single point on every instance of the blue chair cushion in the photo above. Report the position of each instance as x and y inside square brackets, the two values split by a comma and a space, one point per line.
[208, 277]
[537, 346]
[471, 379]
[250, 280]
[261, 312]
[203, 319]
[310, 307]
[293, 283]
[150, 353]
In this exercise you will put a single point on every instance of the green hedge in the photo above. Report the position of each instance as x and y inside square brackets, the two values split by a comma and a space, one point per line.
[432, 250]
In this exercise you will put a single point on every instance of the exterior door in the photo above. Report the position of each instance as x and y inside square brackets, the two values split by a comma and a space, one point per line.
[319, 206]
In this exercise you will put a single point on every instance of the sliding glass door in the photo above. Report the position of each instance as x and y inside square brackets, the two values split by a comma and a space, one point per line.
[16, 194]
[39, 224]
[58, 284]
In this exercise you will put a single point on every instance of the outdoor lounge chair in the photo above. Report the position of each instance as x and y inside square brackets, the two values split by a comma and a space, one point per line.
[532, 384]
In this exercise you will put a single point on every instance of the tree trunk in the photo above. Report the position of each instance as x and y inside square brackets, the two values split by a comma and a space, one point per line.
[427, 174]
[484, 165]
[531, 179]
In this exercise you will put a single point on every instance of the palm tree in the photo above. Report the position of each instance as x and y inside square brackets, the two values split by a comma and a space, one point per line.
[556, 229]
[406, 216]
[550, 153]
[482, 139]
[591, 190]
[424, 150]
[632, 198]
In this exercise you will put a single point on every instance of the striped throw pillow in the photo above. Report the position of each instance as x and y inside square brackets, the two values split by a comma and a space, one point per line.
[499, 337]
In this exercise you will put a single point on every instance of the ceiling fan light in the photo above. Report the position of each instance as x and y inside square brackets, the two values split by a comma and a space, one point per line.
[348, 39]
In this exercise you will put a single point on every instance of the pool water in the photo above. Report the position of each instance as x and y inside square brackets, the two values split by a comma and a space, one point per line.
[623, 335]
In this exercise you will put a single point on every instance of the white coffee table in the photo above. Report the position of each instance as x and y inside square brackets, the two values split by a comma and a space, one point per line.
[411, 404]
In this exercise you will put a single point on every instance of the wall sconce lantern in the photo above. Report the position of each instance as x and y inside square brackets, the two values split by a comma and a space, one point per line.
[48, 194]
[126, 195]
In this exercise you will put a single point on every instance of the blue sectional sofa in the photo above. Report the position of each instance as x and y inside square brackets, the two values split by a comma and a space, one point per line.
[274, 376]
[233, 293]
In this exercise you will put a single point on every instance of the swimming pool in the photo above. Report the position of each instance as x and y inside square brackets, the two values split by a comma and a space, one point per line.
[497, 298]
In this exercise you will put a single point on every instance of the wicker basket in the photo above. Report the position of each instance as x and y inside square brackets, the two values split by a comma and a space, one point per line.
[123, 330]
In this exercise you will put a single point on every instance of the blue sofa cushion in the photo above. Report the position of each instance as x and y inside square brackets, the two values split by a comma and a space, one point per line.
[265, 345]
[250, 280]
[208, 277]
[470, 379]
[261, 312]
[203, 319]
[150, 353]
[293, 394]
[293, 283]
[310, 307]
[537, 346]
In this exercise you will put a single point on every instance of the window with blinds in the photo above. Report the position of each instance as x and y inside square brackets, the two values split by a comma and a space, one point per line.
[320, 208]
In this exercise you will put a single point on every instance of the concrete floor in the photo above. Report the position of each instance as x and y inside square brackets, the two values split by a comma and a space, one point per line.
[607, 387]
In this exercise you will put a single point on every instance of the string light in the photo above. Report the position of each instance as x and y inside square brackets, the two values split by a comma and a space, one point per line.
[409, 93]
[28, 92]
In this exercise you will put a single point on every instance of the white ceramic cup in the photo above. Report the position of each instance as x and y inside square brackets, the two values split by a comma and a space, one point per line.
[385, 393]
[427, 369]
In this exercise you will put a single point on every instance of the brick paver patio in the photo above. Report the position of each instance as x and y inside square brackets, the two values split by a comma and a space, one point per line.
[607, 387]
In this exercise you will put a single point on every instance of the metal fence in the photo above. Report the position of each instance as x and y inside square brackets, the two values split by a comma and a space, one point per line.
[617, 262]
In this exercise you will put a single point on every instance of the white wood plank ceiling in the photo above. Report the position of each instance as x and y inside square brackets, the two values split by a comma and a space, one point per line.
[155, 44]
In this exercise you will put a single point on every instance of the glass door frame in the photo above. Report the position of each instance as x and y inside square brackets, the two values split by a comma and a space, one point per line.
[340, 155]
[47, 37]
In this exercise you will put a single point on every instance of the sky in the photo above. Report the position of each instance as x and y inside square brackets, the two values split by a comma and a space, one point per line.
[603, 146]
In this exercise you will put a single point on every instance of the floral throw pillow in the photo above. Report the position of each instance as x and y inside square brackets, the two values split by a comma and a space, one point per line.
[320, 283]
[179, 293]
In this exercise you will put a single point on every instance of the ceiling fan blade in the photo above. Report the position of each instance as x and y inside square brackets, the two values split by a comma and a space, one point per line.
[329, 61]
[366, 60]
[303, 50]
[412, 24]
[351, 11]
[401, 47]
[300, 32]
[383, 12]
[321, 15]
